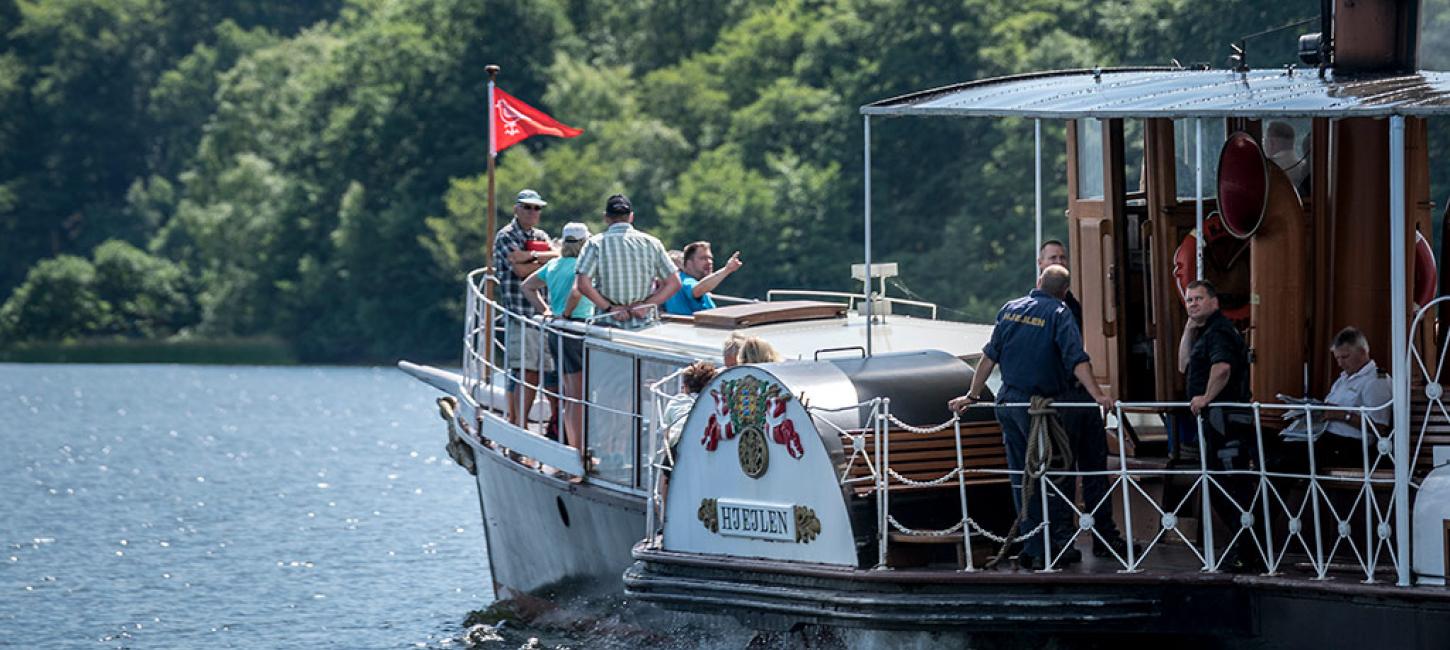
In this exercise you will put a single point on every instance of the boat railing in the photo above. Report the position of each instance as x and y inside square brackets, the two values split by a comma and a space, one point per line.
[1308, 522]
[850, 298]
[488, 369]
[1311, 514]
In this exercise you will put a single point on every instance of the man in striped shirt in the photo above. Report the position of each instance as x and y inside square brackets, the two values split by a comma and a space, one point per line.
[626, 273]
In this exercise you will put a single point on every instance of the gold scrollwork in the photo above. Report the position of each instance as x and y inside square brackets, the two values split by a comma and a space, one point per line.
[754, 452]
[807, 526]
[709, 515]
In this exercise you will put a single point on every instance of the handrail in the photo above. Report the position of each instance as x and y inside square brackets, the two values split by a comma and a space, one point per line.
[850, 298]
[1269, 500]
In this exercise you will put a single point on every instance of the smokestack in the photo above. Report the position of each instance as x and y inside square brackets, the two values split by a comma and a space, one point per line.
[1376, 35]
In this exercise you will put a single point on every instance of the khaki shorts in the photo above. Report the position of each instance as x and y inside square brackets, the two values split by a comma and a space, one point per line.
[524, 348]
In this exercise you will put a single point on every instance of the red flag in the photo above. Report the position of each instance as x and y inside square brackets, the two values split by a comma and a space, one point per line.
[514, 121]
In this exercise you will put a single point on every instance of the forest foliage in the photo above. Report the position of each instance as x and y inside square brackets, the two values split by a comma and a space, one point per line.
[315, 171]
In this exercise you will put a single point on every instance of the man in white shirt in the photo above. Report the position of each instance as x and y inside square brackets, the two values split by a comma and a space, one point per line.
[1360, 383]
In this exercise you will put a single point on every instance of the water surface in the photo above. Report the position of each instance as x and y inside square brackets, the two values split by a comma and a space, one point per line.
[202, 506]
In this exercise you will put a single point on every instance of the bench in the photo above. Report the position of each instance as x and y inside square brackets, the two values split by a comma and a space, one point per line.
[926, 457]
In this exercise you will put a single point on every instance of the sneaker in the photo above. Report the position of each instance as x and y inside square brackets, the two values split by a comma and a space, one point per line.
[1107, 548]
[1030, 562]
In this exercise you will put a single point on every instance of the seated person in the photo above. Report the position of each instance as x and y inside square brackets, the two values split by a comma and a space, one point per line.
[694, 379]
[698, 278]
[1360, 383]
[756, 350]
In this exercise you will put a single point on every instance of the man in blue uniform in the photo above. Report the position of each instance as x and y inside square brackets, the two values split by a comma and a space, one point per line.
[1089, 437]
[1039, 348]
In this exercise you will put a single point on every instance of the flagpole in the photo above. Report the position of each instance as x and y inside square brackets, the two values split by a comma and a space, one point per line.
[492, 71]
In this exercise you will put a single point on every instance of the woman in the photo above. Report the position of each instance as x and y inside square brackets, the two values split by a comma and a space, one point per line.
[564, 302]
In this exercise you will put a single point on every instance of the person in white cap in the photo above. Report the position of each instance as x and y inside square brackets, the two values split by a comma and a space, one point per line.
[519, 249]
[557, 278]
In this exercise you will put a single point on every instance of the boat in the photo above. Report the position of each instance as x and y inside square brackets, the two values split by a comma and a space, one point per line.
[560, 515]
[886, 514]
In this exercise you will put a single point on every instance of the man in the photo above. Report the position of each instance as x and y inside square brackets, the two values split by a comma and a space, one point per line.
[698, 278]
[1055, 252]
[1360, 383]
[1279, 147]
[1040, 352]
[519, 249]
[1085, 426]
[1216, 360]
[619, 267]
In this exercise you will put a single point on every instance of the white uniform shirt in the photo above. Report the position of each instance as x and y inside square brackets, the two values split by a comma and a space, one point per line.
[1364, 388]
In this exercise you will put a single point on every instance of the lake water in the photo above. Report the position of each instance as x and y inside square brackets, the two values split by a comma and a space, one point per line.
[195, 506]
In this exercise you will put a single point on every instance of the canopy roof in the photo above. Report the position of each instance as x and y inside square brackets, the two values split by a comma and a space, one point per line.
[1177, 93]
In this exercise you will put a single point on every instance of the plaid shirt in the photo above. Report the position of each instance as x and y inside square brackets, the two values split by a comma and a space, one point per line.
[623, 263]
[512, 238]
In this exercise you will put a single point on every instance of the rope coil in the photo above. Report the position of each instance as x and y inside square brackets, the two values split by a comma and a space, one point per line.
[1047, 441]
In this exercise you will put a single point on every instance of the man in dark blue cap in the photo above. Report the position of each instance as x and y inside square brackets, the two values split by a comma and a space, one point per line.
[1039, 348]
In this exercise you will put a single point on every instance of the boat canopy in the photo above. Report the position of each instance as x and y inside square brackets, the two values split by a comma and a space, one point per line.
[1180, 93]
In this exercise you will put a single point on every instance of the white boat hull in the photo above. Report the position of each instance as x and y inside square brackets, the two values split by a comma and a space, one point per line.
[543, 530]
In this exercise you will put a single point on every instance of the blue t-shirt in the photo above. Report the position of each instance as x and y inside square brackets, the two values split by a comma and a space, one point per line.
[684, 302]
[558, 275]
[1037, 345]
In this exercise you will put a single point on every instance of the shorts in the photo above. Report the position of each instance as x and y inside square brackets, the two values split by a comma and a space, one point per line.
[523, 349]
[570, 352]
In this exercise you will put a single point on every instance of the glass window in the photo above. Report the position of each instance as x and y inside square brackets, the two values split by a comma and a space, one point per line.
[1089, 159]
[1286, 142]
[1184, 140]
[611, 422]
[649, 405]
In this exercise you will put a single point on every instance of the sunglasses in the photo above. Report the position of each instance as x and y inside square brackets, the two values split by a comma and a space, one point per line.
[531, 208]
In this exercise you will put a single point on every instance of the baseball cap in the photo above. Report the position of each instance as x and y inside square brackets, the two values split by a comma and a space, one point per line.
[530, 197]
[618, 205]
[575, 231]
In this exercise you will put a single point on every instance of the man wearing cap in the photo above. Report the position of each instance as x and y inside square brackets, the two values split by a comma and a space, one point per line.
[565, 302]
[698, 278]
[519, 249]
[619, 267]
[1040, 352]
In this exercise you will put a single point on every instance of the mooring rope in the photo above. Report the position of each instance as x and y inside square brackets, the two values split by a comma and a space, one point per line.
[458, 450]
[1047, 441]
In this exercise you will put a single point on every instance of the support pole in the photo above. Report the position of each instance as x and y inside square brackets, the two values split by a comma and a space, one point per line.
[1400, 344]
[1037, 193]
[866, 287]
[1198, 193]
[492, 71]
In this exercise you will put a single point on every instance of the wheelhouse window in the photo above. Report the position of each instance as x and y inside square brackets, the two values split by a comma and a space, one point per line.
[612, 428]
[1184, 139]
[1089, 159]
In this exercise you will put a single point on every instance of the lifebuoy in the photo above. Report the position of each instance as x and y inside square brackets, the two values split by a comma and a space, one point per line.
[1185, 262]
[1426, 272]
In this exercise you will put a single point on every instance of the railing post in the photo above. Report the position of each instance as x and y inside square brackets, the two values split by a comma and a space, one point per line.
[1269, 559]
[1124, 478]
[1205, 518]
[1321, 563]
[1367, 493]
[962, 494]
[883, 480]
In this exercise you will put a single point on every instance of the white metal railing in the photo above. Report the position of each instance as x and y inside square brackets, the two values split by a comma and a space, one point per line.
[1312, 516]
[1314, 521]
[850, 298]
[480, 368]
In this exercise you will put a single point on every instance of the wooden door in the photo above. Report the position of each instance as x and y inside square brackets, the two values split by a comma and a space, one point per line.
[1095, 215]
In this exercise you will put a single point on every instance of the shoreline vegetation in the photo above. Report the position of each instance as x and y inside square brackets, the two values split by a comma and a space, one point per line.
[258, 351]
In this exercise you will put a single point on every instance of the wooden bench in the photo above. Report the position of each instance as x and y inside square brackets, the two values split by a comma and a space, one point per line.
[926, 457]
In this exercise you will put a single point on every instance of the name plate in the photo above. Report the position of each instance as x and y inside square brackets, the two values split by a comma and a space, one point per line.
[773, 521]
